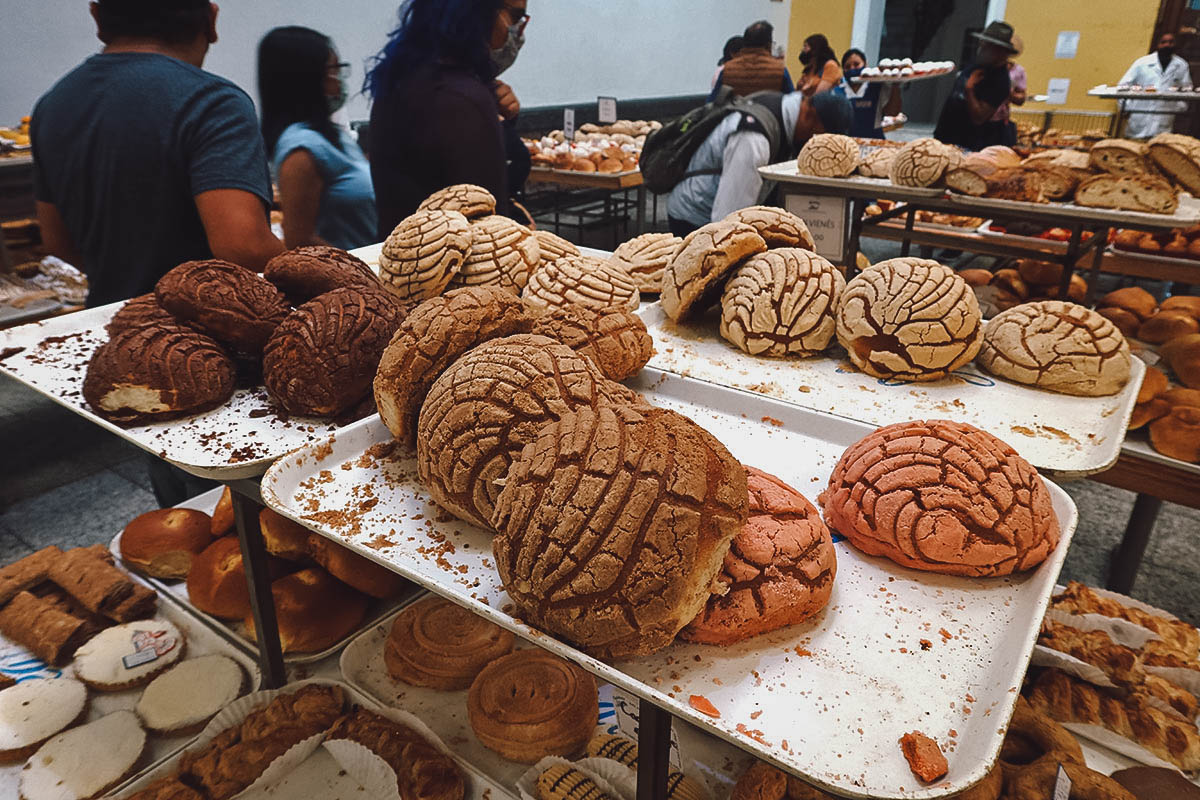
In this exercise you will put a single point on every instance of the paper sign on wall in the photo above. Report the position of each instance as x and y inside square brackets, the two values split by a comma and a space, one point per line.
[1056, 91]
[606, 109]
[569, 124]
[1067, 44]
[826, 220]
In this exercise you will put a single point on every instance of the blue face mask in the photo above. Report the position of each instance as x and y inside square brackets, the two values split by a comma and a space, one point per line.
[504, 56]
[853, 72]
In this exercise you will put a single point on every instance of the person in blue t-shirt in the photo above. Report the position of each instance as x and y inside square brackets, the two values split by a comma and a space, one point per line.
[871, 102]
[324, 179]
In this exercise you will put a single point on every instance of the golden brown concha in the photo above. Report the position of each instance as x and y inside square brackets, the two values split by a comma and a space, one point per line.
[430, 339]
[552, 247]
[613, 524]
[912, 319]
[230, 303]
[423, 254]
[580, 280]
[467, 199]
[1061, 347]
[441, 645]
[616, 340]
[694, 278]
[645, 257]
[322, 358]
[139, 312]
[503, 253]
[942, 496]
[877, 163]
[828, 155]
[921, 162]
[782, 303]
[305, 272]
[778, 227]
[488, 405]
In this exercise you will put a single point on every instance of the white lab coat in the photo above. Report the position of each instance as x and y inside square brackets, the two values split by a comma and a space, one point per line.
[1147, 71]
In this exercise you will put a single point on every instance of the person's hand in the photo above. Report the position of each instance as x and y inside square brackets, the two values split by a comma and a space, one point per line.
[506, 100]
[974, 78]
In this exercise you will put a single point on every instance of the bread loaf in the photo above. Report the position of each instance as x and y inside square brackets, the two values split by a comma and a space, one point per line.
[1178, 156]
[1120, 157]
[1137, 192]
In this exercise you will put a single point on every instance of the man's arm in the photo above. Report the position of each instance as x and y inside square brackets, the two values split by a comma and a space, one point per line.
[300, 187]
[1131, 75]
[55, 238]
[237, 227]
[740, 181]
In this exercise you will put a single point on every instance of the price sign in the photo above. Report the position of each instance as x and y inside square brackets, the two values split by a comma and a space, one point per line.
[569, 124]
[606, 109]
[826, 220]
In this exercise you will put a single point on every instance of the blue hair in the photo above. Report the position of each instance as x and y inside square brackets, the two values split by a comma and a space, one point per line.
[431, 32]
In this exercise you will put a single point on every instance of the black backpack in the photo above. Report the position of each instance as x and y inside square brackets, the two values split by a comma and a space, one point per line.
[667, 152]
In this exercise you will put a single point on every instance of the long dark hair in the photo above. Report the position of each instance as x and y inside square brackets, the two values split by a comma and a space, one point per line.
[435, 31]
[292, 65]
[822, 53]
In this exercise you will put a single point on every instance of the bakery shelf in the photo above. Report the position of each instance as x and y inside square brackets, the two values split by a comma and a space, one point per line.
[828, 699]
[855, 185]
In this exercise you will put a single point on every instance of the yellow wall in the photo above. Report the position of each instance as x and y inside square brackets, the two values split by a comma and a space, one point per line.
[834, 18]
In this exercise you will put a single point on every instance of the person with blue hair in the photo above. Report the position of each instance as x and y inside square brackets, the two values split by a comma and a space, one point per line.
[438, 115]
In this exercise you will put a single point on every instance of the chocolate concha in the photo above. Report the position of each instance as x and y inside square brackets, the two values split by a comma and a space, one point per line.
[613, 524]
[552, 247]
[322, 358]
[828, 155]
[233, 305]
[694, 278]
[139, 312]
[782, 303]
[1058, 346]
[909, 319]
[467, 199]
[580, 280]
[645, 257]
[423, 253]
[488, 405]
[921, 162]
[615, 340]
[943, 497]
[157, 372]
[778, 227]
[503, 252]
[305, 272]
[433, 337]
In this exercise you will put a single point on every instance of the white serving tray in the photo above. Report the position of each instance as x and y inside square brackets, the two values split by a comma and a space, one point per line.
[1138, 444]
[1157, 258]
[828, 699]
[868, 187]
[907, 78]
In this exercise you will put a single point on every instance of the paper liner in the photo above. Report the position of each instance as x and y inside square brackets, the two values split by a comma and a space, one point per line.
[1046, 657]
[1183, 678]
[614, 779]
[1118, 743]
[1121, 631]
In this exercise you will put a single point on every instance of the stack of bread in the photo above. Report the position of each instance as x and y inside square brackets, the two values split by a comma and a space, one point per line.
[1179, 243]
[1030, 279]
[594, 148]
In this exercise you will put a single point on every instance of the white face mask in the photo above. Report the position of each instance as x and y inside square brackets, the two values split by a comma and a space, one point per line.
[504, 56]
[335, 102]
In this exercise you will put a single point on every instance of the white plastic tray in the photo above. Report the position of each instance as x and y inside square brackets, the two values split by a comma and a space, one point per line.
[1160, 259]
[1064, 435]
[867, 187]
[1138, 444]
[835, 716]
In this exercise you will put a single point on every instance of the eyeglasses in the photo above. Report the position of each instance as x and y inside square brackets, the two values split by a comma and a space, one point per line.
[341, 69]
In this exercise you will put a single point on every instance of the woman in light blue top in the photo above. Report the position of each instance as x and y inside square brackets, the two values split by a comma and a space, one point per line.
[324, 179]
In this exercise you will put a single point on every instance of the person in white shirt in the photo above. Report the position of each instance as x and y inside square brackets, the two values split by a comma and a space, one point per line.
[1162, 70]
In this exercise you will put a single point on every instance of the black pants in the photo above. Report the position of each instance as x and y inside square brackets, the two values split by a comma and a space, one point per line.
[172, 485]
[680, 227]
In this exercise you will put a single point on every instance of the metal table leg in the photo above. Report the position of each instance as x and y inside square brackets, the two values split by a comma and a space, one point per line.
[909, 219]
[1068, 260]
[254, 557]
[1127, 558]
[641, 211]
[1100, 244]
[654, 751]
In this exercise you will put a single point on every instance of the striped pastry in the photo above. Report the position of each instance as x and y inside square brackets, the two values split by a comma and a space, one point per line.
[561, 782]
[624, 750]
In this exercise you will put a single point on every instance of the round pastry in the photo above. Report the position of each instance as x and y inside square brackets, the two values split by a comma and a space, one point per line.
[1133, 299]
[552, 247]
[1061, 347]
[976, 277]
[652, 503]
[694, 278]
[580, 280]
[530, 704]
[128, 656]
[163, 542]
[1124, 321]
[615, 340]
[781, 303]
[1163, 326]
[563, 782]
[423, 254]
[315, 611]
[157, 372]
[441, 645]
[354, 570]
[34, 710]
[909, 318]
[828, 155]
[1011, 281]
[86, 761]
[942, 497]
[139, 312]
[1036, 782]
[222, 516]
[1039, 272]
[777, 227]
[322, 358]
[1183, 356]
[779, 569]
[1177, 434]
[503, 253]
[1187, 303]
[488, 405]
[283, 537]
[182, 699]
[1032, 736]
[921, 162]
[645, 257]
[1154, 383]
[466, 198]
[305, 272]
[877, 163]
[230, 303]
[1146, 412]
[216, 583]
[433, 337]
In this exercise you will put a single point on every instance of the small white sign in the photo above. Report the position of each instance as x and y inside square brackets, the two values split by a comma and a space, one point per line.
[1062, 786]
[606, 109]
[1067, 44]
[1056, 91]
[569, 124]
[826, 220]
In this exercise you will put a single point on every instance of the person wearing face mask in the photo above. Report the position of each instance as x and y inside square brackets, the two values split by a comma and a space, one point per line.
[439, 113]
[1161, 70]
[980, 88]
[871, 102]
[821, 71]
[324, 179]
[754, 68]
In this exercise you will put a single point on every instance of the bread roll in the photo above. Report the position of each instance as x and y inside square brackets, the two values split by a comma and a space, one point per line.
[1177, 434]
[976, 277]
[581, 280]
[1125, 321]
[1153, 384]
[1187, 303]
[778, 227]
[615, 340]
[139, 312]
[314, 611]
[828, 155]
[1148, 411]
[472, 201]
[216, 583]
[442, 645]
[423, 253]
[1164, 326]
[1134, 299]
[694, 278]
[222, 516]
[503, 253]
[921, 162]
[230, 303]
[306, 272]
[1040, 272]
[1181, 397]
[284, 537]
[645, 258]
[1182, 354]
[354, 570]
[1010, 280]
[552, 247]
[162, 543]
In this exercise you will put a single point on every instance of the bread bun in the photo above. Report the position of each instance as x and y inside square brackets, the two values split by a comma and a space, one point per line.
[222, 516]
[503, 252]
[1177, 434]
[694, 278]
[314, 611]
[1181, 397]
[645, 258]
[615, 340]
[1182, 354]
[162, 543]
[216, 583]
[1153, 384]
[1043, 272]
[828, 155]
[1124, 321]
[921, 162]
[1134, 299]
[552, 247]
[777, 227]
[467, 199]
[230, 303]
[1163, 326]
[1010, 280]
[306, 272]
[581, 280]
[138, 313]
[423, 253]
[1148, 411]
[284, 537]
[356, 571]
[1187, 303]
[976, 277]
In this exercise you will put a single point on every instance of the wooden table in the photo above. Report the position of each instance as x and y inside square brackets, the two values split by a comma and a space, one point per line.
[611, 182]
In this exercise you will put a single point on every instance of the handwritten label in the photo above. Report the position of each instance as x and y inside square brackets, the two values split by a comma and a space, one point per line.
[826, 219]
[569, 124]
[1062, 785]
[606, 109]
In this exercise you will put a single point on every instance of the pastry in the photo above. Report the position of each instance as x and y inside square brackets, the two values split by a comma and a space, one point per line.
[168, 788]
[182, 699]
[26, 573]
[357, 572]
[222, 516]
[1133, 299]
[923, 755]
[645, 257]
[1032, 736]
[1011, 281]
[423, 254]
[1139, 192]
[580, 280]
[1119, 663]
[781, 303]
[1040, 272]
[139, 312]
[38, 625]
[230, 303]
[1182, 354]
[86, 761]
[439, 644]
[1006, 184]
[1037, 781]
[1062, 347]
[943, 497]
[306, 272]
[910, 319]
[162, 543]
[1188, 304]
[1177, 434]
[466, 198]
[976, 277]
[314, 611]
[1152, 783]
[1178, 156]
[322, 358]
[1080, 599]
[503, 253]
[777, 227]
[552, 247]
[530, 704]
[283, 537]
[563, 782]
[1157, 653]
[1176, 697]
[761, 781]
[1124, 321]
[1145, 413]
[422, 772]
[1164, 325]
[216, 583]
[694, 278]
[1154, 383]
[430, 339]
[615, 340]
[34, 710]
[1120, 157]
[91, 579]
[653, 502]
[921, 162]
[128, 656]
[625, 751]
[491, 403]
[828, 155]
[157, 372]
[877, 163]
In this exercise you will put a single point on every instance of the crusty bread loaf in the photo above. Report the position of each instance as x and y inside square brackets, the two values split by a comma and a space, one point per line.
[1120, 157]
[1178, 156]
[1137, 192]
